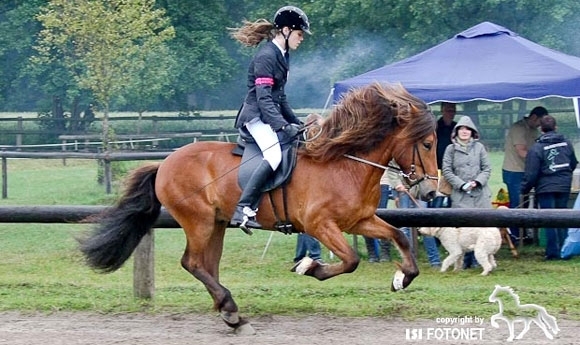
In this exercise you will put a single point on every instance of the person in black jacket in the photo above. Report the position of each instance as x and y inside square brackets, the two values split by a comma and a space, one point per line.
[265, 114]
[549, 166]
[445, 126]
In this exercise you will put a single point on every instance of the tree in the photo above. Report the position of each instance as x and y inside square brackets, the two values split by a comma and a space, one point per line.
[349, 37]
[151, 74]
[205, 63]
[99, 41]
[18, 29]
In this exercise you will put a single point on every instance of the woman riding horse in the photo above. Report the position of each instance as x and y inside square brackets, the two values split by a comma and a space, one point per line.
[265, 114]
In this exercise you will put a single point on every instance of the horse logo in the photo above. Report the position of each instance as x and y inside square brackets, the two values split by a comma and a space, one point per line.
[525, 313]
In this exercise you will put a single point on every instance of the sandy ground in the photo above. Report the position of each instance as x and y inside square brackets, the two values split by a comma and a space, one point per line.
[84, 328]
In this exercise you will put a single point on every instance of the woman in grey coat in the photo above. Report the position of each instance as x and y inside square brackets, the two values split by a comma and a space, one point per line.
[466, 166]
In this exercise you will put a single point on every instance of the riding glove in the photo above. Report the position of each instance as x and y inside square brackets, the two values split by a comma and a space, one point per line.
[291, 129]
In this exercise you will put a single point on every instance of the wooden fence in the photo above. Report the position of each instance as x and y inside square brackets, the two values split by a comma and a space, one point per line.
[84, 141]
[105, 157]
[17, 129]
[143, 270]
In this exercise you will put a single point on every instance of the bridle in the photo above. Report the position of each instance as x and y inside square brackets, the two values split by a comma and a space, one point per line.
[411, 176]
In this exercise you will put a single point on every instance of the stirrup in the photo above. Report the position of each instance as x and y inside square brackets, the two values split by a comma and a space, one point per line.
[248, 221]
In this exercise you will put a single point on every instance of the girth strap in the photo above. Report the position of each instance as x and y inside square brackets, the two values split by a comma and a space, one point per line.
[284, 226]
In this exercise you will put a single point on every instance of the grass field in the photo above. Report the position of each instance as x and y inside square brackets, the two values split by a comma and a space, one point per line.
[41, 270]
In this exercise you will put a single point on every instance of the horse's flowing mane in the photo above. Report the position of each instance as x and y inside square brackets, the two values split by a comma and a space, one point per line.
[365, 116]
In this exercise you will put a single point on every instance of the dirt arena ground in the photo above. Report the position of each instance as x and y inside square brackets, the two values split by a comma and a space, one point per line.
[181, 329]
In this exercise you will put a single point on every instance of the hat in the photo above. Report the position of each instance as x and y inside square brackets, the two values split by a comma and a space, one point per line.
[292, 17]
[465, 121]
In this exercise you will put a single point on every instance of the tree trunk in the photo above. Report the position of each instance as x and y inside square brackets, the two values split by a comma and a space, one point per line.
[106, 128]
[75, 115]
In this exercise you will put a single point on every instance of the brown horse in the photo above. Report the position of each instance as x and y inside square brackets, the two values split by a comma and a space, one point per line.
[334, 189]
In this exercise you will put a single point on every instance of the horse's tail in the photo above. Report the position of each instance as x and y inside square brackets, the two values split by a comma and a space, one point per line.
[549, 321]
[120, 228]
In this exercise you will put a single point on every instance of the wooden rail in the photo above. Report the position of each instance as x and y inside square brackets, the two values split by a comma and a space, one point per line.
[411, 217]
[131, 139]
[224, 125]
[143, 269]
[106, 157]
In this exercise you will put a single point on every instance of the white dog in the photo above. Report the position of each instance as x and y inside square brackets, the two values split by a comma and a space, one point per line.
[485, 242]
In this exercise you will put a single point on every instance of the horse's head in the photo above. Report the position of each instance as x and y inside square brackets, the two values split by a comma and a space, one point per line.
[418, 163]
[498, 290]
[382, 122]
[415, 150]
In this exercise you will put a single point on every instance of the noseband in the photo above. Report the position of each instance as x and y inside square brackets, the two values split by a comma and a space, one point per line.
[411, 176]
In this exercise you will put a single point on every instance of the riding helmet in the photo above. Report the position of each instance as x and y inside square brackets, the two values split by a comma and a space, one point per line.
[292, 17]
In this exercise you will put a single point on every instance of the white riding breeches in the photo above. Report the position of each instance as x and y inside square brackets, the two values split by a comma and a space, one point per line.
[267, 140]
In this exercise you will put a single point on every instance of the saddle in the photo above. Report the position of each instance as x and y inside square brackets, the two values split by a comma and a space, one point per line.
[252, 156]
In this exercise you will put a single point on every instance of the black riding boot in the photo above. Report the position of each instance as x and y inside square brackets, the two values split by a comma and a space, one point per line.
[245, 215]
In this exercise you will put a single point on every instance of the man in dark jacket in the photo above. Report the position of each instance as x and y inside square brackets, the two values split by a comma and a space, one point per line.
[445, 126]
[549, 166]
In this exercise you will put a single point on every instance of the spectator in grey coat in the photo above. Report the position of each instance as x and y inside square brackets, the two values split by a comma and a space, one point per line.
[466, 166]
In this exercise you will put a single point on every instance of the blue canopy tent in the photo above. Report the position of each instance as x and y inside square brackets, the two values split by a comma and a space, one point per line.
[485, 62]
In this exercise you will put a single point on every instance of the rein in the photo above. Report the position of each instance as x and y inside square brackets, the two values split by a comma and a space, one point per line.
[408, 176]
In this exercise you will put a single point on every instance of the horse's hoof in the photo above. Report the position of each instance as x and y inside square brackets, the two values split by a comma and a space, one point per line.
[230, 318]
[398, 281]
[302, 266]
[245, 329]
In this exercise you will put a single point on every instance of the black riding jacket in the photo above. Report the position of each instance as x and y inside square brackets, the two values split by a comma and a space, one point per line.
[549, 165]
[267, 75]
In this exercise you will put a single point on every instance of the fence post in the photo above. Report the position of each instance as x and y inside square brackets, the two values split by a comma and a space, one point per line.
[63, 149]
[108, 175]
[4, 178]
[155, 125]
[20, 128]
[144, 267]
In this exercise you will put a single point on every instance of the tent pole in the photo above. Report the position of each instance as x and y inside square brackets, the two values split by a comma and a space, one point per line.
[328, 99]
[576, 111]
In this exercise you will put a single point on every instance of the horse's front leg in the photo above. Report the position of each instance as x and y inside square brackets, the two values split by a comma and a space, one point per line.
[331, 236]
[408, 269]
[375, 227]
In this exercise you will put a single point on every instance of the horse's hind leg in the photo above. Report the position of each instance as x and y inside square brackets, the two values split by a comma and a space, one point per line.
[201, 258]
[538, 320]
